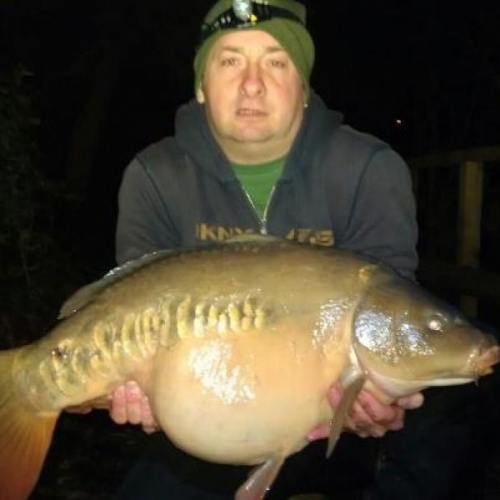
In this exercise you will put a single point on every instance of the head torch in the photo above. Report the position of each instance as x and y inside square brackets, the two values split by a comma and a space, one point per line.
[244, 14]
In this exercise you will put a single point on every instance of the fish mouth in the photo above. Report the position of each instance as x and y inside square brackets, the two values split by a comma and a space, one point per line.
[485, 357]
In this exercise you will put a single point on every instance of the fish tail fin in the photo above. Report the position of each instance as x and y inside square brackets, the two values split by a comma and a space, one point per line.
[25, 436]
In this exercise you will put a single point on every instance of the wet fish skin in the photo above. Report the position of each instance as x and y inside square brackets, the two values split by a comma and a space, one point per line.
[236, 348]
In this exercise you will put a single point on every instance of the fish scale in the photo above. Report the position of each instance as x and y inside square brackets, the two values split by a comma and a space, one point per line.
[202, 318]
[136, 337]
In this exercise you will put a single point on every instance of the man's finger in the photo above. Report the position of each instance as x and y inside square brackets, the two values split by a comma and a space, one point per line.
[335, 394]
[377, 412]
[134, 397]
[118, 410]
[370, 418]
[321, 431]
[149, 423]
[411, 402]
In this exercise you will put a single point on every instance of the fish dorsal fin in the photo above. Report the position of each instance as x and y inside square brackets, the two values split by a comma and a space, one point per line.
[87, 293]
[352, 381]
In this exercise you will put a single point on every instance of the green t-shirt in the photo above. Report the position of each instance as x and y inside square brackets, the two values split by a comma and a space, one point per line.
[258, 181]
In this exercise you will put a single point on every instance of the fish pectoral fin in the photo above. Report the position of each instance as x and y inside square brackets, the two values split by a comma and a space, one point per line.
[353, 383]
[25, 437]
[100, 403]
[260, 480]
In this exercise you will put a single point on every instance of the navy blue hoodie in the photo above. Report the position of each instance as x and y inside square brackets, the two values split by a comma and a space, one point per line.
[339, 187]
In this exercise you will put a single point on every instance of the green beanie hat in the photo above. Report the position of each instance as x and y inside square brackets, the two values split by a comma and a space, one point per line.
[285, 20]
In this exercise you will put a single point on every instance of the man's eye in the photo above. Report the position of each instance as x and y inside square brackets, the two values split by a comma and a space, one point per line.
[277, 63]
[229, 61]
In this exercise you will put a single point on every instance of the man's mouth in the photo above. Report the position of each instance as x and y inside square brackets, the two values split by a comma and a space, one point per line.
[249, 112]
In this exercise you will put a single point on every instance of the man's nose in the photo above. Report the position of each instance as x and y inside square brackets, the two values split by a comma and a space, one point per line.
[253, 83]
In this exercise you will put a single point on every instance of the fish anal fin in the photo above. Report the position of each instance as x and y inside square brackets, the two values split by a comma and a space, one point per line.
[25, 437]
[353, 383]
[260, 480]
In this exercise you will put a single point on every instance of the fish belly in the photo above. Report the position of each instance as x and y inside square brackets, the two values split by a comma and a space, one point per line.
[242, 398]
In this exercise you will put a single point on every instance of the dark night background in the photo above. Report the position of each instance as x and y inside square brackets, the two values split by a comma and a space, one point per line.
[107, 77]
[103, 78]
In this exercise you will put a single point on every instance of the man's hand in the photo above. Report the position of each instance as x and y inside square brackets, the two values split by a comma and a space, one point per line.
[369, 417]
[130, 405]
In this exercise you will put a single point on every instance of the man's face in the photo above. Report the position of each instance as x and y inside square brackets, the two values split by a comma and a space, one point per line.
[253, 95]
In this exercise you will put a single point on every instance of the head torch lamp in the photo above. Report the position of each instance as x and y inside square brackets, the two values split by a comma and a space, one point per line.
[243, 14]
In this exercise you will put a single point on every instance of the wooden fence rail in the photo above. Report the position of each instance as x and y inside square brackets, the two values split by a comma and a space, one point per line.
[464, 276]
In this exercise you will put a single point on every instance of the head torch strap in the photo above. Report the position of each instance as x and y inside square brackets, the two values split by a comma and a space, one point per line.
[229, 19]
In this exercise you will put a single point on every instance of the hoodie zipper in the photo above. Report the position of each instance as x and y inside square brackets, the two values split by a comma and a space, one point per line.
[263, 219]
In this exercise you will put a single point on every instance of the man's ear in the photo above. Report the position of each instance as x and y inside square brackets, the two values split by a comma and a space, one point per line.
[200, 95]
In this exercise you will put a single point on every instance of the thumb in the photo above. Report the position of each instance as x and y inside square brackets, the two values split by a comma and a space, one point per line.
[335, 394]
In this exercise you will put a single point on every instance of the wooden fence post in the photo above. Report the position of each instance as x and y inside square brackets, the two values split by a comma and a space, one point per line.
[469, 223]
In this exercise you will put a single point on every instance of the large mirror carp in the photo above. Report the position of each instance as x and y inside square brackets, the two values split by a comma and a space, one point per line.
[236, 347]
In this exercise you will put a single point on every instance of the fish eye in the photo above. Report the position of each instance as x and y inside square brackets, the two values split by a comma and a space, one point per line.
[436, 323]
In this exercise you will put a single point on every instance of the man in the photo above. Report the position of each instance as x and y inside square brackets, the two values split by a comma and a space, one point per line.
[258, 151]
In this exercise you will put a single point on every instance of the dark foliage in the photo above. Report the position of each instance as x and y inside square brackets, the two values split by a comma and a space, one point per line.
[33, 256]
